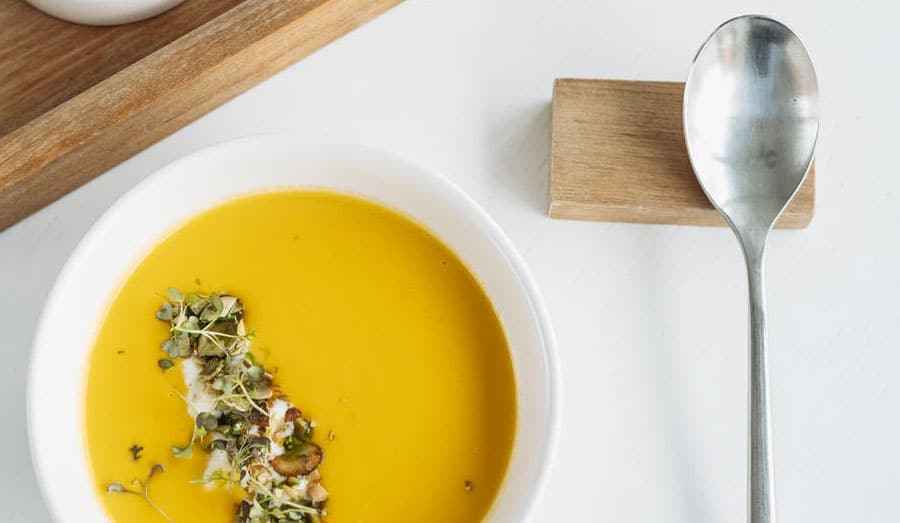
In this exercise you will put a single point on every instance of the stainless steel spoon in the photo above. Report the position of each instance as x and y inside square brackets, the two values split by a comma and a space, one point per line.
[751, 118]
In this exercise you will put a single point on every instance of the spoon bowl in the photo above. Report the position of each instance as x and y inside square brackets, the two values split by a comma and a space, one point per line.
[751, 119]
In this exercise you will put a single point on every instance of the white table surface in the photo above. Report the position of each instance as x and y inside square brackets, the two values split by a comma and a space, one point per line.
[650, 320]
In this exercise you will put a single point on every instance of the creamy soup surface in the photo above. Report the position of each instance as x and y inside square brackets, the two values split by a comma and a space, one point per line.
[370, 325]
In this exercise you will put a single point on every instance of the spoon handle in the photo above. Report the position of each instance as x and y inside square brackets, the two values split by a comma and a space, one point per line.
[761, 468]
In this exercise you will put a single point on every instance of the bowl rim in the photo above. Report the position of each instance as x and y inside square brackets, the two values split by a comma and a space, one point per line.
[502, 241]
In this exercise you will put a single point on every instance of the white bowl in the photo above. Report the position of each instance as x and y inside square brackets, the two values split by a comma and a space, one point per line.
[103, 12]
[131, 227]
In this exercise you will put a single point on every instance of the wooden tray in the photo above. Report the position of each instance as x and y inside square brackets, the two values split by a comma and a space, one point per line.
[77, 100]
[618, 154]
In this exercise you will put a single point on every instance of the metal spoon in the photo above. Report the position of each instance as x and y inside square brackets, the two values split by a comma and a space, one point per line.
[751, 118]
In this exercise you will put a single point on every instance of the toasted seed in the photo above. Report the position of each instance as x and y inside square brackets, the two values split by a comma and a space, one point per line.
[316, 492]
[305, 459]
[207, 421]
[258, 418]
[291, 414]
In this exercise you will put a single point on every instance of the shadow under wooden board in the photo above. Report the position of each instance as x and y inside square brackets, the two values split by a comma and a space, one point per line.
[77, 100]
[618, 155]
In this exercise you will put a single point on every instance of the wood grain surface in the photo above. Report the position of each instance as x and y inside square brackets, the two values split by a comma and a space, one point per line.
[45, 61]
[618, 154]
[77, 100]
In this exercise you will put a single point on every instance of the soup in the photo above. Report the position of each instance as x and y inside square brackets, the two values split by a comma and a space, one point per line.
[373, 328]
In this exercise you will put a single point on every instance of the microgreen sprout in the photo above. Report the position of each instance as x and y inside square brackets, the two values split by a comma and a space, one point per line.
[143, 489]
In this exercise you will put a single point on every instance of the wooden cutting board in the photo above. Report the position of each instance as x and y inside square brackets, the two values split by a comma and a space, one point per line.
[618, 154]
[77, 100]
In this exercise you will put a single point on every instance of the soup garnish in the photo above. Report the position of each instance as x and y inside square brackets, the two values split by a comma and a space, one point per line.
[255, 438]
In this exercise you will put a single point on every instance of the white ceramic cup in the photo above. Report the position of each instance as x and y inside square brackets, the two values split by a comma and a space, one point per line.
[141, 218]
[103, 12]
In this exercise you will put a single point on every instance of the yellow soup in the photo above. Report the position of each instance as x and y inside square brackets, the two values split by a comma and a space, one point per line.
[370, 325]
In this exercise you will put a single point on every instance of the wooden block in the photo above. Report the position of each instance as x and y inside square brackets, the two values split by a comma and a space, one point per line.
[77, 100]
[618, 154]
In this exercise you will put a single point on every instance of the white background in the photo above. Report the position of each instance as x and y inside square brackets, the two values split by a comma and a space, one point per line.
[650, 320]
